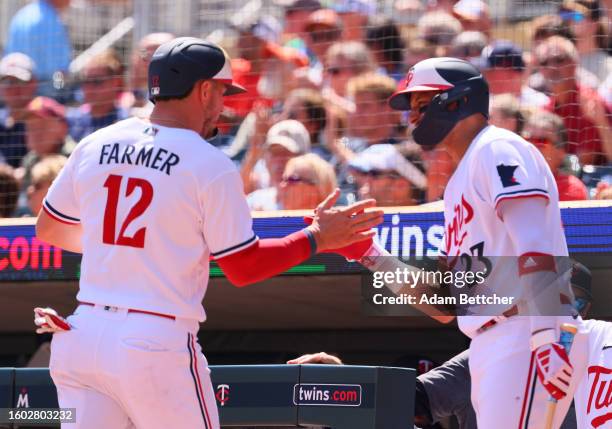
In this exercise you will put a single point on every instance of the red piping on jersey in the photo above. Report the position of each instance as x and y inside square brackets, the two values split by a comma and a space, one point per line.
[56, 217]
[265, 258]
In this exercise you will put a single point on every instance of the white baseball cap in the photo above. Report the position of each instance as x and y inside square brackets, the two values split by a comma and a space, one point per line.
[290, 134]
[385, 157]
[17, 65]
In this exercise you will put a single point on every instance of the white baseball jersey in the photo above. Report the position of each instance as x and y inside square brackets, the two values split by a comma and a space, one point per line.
[498, 165]
[594, 393]
[154, 203]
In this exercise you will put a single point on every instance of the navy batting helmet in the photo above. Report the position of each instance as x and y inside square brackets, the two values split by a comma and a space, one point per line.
[459, 82]
[178, 64]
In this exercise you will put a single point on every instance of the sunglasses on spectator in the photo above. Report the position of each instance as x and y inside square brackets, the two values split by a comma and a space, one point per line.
[556, 60]
[570, 15]
[95, 81]
[324, 36]
[335, 71]
[381, 174]
[294, 179]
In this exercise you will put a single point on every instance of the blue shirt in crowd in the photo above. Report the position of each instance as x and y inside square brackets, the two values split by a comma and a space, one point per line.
[82, 123]
[37, 31]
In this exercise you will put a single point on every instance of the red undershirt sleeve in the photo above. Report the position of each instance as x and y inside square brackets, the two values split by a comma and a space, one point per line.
[267, 258]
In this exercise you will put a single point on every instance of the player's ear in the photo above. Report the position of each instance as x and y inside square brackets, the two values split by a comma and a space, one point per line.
[205, 89]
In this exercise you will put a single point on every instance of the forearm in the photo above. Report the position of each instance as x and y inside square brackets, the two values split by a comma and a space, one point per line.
[377, 259]
[67, 237]
[246, 169]
[541, 273]
[267, 258]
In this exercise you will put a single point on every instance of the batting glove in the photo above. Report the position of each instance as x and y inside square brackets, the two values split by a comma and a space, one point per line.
[352, 252]
[554, 369]
[48, 321]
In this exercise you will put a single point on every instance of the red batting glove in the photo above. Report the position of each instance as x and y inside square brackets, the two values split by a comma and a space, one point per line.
[48, 321]
[352, 252]
[554, 369]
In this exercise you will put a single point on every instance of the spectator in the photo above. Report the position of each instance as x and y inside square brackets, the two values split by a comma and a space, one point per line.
[138, 97]
[265, 161]
[307, 106]
[263, 67]
[382, 173]
[306, 180]
[296, 15]
[505, 112]
[438, 29]
[384, 39]
[17, 88]
[372, 121]
[43, 174]
[504, 69]
[46, 134]
[419, 50]
[473, 15]
[584, 19]
[546, 131]
[468, 46]
[545, 26]
[9, 190]
[37, 31]
[345, 60]
[102, 83]
[354, 15]
[603, 191]
[323, 28]
[583, 112]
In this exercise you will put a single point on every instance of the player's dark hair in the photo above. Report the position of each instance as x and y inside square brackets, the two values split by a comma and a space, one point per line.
[174, 97]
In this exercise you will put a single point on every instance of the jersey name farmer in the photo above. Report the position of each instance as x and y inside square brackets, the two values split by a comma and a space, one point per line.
[154, 202]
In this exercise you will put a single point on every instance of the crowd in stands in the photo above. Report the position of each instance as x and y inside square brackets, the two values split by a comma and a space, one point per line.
[316, 114]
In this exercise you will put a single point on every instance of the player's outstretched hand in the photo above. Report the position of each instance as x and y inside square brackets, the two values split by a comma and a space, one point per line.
[352, 252]
[48, 321]
[338, 227]
[320, 357]
[554, 369]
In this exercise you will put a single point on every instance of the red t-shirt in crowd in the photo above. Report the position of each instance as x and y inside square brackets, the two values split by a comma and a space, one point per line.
[570, 188]
[582, 135]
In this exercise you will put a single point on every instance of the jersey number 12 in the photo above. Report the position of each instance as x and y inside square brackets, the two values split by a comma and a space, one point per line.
[113, 184]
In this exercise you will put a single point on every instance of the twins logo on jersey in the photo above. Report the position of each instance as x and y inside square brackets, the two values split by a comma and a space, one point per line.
[455, 233]
[599, 405]
[506, 175]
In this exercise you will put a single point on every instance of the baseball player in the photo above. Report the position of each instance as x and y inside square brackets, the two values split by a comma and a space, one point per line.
[500, 201]
[147, 203]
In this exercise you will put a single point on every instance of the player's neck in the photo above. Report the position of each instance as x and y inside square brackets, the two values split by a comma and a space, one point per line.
[461, 138]
[167, 114]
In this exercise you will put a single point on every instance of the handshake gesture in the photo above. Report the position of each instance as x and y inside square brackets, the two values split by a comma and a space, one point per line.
[346, 231]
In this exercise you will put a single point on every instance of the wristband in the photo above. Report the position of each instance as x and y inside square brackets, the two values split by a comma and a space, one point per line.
[311, 240]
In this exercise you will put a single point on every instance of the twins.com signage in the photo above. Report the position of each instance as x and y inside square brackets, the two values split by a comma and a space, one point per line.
[25, 258]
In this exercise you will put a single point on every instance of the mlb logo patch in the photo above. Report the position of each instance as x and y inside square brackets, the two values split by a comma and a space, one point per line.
[506, 175]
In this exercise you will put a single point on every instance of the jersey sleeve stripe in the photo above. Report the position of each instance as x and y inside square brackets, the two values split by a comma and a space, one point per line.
[515, 197]
[236, 248]
[521, 192]
[59, 216]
